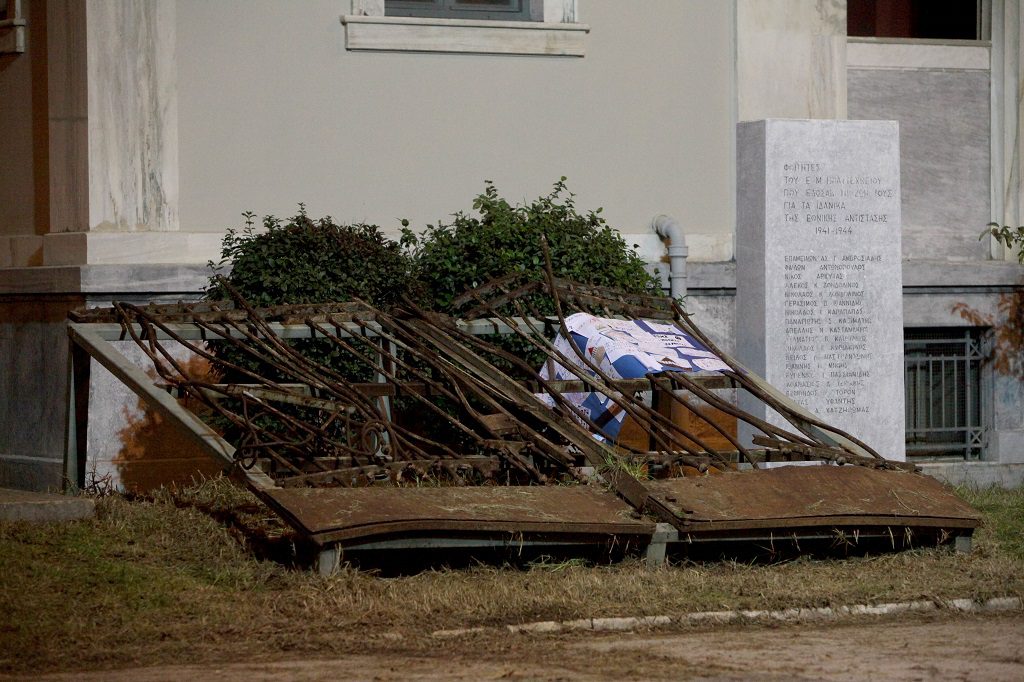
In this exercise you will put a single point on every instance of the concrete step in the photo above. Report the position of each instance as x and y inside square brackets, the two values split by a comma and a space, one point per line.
[22, 505]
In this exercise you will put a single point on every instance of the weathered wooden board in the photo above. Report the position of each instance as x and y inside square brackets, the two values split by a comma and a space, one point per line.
[812, 496]
[340, 514]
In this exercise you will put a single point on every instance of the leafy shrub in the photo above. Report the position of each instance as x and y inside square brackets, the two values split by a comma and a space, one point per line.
[505, 239]
[311, 261]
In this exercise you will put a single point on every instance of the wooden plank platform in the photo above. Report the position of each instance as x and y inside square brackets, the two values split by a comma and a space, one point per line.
[812, 496]
[346, 515]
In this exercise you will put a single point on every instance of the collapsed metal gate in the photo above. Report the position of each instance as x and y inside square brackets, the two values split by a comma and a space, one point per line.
[443, 429]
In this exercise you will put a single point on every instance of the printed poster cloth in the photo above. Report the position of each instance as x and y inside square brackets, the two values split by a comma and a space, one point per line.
[624, 349]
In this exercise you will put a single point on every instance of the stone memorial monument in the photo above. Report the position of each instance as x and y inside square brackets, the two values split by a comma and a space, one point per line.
[819, 286]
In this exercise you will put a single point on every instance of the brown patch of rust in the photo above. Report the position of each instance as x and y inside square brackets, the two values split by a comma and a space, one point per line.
[155, 452]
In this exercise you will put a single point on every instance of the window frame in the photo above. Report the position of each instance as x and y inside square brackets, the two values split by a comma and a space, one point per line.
[458, 9]
[554, 32]
[12, 27]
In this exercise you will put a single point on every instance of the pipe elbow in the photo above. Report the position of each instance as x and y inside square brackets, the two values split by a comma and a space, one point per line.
[669, 228]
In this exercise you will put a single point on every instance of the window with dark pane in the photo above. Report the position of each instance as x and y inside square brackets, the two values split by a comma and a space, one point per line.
[498, 10]
[929, 19]
[943, 387]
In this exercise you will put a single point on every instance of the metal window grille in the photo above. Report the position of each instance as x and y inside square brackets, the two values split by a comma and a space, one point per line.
[944, 403]
[505, 10]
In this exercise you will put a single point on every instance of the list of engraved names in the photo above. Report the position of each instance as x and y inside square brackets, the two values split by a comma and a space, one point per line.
[827, 273]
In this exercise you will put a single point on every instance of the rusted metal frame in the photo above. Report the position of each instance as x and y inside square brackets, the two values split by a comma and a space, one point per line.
[128, 312]
[251, 442]
[420, 467]
[249, 425]
[545, 386]
[672, 395]
[481, 389]
[496, 284]
[612, 308]
[313, 435]
[481, 375]
[810, 424]
[644, 416]
[301, 364]
[649, 305]
[214, 311]
[287, 397]
[181, 309]
[284, 357]
[611, 300]
[832, 454]
[407, 388]
[730, 409]
[660, 427]
[505, 298]
[302, 368]
[195, 388]
[297, 426]
[136, 380]
[146, 340]
[596, 454]
[601, 381]
[420, 398]
[393, 377]
[829, 435]
[265, 440]
[484, 391]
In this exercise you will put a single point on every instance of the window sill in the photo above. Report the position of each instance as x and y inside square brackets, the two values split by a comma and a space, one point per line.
[415, 34]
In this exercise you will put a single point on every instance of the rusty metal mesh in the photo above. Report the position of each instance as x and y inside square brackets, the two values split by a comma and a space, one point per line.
[434, 399]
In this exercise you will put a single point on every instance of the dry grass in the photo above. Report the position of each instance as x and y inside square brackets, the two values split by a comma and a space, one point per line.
[158, 580]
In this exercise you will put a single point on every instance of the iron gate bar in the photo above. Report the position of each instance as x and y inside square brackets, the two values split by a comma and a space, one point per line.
[203, 436]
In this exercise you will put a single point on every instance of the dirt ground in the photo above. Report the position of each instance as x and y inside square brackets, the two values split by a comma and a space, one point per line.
[939, 647]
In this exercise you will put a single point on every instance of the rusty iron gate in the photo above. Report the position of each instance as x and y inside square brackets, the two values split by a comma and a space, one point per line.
[442, 429]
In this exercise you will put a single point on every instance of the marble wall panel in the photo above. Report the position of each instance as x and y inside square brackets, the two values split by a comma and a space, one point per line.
[945, 150]
[791, 60]
[133, 115]
[33, 353]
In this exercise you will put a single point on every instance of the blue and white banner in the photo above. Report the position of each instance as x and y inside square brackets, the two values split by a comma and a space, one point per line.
[624, 349]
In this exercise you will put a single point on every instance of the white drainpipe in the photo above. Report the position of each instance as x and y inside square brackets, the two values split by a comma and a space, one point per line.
[668, 228]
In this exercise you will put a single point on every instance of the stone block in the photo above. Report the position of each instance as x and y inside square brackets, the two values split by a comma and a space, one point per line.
[819, 293]
[20, 505]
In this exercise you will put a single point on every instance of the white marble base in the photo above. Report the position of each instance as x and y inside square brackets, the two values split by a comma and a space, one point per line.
[108, 248]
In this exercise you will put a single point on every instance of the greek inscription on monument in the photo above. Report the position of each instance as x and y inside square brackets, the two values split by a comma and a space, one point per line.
[819, 310]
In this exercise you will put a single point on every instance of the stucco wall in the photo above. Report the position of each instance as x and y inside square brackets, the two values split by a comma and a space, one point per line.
[274, 111]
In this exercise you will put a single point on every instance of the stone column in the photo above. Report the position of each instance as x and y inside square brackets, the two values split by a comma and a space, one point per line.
[113, 133]
[1007, 123]
[790, 59]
